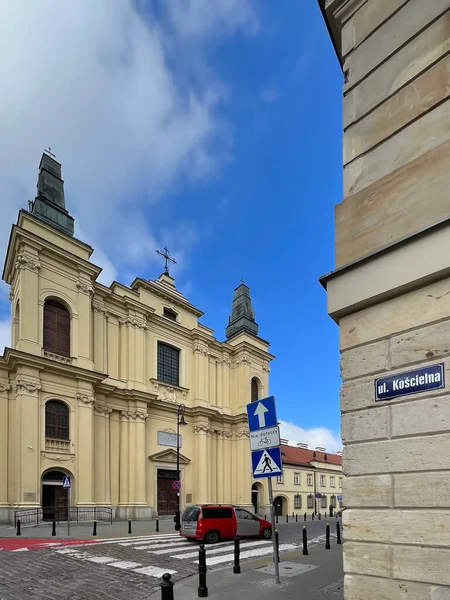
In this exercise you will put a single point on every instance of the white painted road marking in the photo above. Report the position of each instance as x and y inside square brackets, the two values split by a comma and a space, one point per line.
[215, 550]
[216, 560]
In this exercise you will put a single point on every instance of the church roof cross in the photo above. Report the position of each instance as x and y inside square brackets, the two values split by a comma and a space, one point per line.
[166, 256]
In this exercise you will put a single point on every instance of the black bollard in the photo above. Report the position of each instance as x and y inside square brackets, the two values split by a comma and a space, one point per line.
[305, 541]
[312, 517]
[166, 587]
[296, 518]
[157, 525]
[277, 542]
[327, 537]
[304, 517]
[129, 525]
[325, 514]
[237, 566]
[287, 519]
[54, 528]
[95, 528]
[338, 533]
[202, 589]
[276, 519]
[18, 527]
[292, 515]
[265, 517]
[320, 516]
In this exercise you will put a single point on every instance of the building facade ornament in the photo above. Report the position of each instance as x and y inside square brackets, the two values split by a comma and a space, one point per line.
[22, 385]
[266, 368]
[223, 361]
[133, 322]
[27, 262]
[201, 349]
[169, 394]
[11, 294]
[202, 428]
[85, 287]
[4, 387]
[102, 409]
[52, 457]
[85, 398]
[244, 359]
[133, 415]
[224, 434]
[99, 307]
[65, 360]
[243, 433]
[57, 445]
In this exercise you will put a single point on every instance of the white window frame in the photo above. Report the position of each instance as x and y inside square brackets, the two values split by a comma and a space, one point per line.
[296, 478]
[332, 484]
[309, 479]
[323, 482]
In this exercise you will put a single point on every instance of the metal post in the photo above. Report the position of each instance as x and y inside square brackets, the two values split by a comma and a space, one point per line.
[277, 540]
[338, 533]
[320, 516]
[53, 528]
[237, 567]
[327, 537]
[18, 527]
[95, 528]
[304, 517]
[177, 513]
[166, 587]
[202, 589]
[68, 512]
[312, 517]
[276, 519]
[129, 525]
[287, 519]
[157, 525]
[305, 541]
[274, 541]
[296, 518]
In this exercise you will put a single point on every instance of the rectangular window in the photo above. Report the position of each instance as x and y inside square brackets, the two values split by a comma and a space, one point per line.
[217, 513]
[297, 501]
[322, 480]
[323, 502]
[309, 480]
[168, 364]
[333, 501]
[170, 314]
[296, 478]
[331, 481]
[340, 482]
[279, 478]
[310, 501]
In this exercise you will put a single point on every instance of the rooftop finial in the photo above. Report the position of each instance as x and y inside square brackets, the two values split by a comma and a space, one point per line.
[49, 152]
[167, 258]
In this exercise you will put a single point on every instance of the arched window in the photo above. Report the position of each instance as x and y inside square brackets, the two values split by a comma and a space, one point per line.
[255, 390]
[56, 420]
[56, 328]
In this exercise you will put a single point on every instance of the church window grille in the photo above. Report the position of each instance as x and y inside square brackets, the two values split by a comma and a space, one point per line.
[56, 328]
[56, 420]
[254, 390]
[170, 314]
[168, 364]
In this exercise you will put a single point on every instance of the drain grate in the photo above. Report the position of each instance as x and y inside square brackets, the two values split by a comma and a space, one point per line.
[336, 588]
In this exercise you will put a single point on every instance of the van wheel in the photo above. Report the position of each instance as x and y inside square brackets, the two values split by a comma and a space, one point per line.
[212, 537]
[266, 533]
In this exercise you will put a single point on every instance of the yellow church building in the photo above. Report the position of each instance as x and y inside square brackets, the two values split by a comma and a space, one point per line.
[94, 378]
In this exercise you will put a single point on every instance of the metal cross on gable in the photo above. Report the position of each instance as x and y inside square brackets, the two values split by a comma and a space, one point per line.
[166, 256]
[49, 152]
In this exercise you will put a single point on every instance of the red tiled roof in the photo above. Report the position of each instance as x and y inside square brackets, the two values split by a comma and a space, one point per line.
[303, 457]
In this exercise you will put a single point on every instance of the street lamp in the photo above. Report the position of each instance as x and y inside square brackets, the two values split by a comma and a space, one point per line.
[180, 421]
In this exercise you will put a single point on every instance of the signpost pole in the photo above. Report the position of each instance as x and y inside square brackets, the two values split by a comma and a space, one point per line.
[274, 541]
[68, 512]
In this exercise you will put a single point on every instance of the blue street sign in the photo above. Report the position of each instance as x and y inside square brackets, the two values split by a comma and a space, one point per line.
[267, 463]
[411, 382]
[339, 498]
[262, 414]
[66, 482]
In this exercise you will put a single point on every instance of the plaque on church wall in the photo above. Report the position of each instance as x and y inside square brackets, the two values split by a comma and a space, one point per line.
[168, 439]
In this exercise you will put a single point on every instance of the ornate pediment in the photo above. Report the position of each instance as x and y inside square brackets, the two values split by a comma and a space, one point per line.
[169, 456]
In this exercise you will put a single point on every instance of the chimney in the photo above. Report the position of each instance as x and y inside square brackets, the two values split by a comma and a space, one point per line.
[339, 453]
[284, 442]
[320, 449]
[302, 445]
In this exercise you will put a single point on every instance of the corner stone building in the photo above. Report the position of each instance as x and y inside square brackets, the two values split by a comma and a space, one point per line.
[390, 293]
[94, 377]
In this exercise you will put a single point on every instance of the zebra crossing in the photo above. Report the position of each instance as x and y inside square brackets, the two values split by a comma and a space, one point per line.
[158, 554]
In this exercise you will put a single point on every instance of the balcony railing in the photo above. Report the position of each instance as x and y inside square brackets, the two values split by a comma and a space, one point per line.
[57, 445]
[35, 516]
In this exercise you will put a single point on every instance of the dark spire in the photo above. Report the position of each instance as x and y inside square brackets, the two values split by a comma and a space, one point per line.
[49, 205]
[242, 314]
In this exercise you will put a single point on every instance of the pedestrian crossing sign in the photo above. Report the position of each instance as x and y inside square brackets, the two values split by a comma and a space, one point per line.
[267, 463]
[66, 482]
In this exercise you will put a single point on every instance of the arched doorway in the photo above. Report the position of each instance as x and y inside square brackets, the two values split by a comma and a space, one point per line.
[280, 506]
[257, 498]
[54, 498]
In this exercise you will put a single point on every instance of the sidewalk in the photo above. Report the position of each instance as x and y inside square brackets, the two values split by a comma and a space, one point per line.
[84, 530]
[318, 576]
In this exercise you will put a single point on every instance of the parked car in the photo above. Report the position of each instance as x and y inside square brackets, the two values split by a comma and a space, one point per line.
[213, 522]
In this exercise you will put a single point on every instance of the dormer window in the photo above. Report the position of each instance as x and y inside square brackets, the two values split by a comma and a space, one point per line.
[170, 314]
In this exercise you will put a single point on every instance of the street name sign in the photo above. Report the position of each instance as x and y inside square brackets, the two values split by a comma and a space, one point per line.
[267, 463]
[265, 438]
[410, 382]
[66, 482]
[262, 414]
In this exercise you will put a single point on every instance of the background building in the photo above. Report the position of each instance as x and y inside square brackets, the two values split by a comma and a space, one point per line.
[306, 474]
[94, 377]
[389, 293]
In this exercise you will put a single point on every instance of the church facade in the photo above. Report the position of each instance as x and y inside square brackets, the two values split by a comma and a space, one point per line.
[94, 378]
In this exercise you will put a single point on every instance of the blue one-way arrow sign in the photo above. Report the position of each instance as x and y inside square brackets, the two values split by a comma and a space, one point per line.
[262, 414]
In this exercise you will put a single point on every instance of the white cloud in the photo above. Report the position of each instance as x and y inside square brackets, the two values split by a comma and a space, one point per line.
[270, 94]
[5, 334]
[316, 436]
[119, 96]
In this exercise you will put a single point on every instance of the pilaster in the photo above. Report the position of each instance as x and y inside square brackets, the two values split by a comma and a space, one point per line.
[124, 458]
[201, 355]
[140, 496]
[102, 493]
[85, 448]
[27, 267]
[5, 387]
[85, 293]
[201, 442]
[243, 472]
[114, 453]
[100, 336]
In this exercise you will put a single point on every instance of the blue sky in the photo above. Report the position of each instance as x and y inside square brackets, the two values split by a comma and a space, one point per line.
[211, 127]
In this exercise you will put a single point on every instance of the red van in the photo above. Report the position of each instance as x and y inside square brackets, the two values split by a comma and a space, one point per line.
[213, 522]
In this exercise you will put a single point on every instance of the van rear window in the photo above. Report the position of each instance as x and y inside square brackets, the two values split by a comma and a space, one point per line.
[191, 514]
[217, 513]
